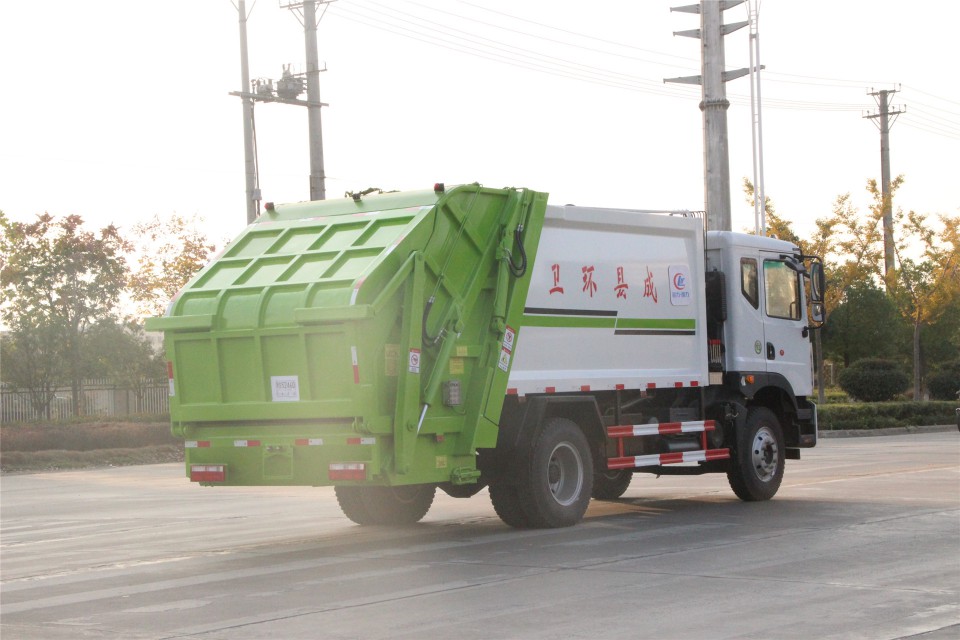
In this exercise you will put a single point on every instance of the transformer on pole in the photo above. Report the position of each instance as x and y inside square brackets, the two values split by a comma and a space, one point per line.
[286, 90]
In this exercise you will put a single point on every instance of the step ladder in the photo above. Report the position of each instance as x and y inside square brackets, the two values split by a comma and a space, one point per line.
[704, 454]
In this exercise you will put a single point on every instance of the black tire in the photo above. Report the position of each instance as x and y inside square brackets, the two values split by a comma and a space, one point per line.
[610, 485]
[404, 504]
[556, 476]
[462, 490]
[756, 467]
[506, 502]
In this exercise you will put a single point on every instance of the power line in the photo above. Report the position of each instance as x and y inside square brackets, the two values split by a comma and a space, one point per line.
[446, 36]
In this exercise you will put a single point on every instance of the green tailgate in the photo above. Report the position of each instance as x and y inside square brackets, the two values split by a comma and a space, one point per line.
[303, 345]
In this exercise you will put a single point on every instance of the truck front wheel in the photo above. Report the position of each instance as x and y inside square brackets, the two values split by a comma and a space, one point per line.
[556, 476]
[403, 504]
[756, 469]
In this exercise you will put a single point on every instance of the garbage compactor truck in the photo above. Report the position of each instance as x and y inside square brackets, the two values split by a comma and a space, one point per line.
[473, 337]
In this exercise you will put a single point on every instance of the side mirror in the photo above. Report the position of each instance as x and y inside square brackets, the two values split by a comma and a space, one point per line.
[817, 313]
[817, 282]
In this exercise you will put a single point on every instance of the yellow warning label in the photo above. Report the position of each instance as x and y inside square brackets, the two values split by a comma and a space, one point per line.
[456, 366]
[392, 360]
[462, 351]
[441, 462]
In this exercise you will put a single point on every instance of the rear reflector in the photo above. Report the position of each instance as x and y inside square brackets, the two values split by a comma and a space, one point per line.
[208, 473]
[194, 444]
[348, 471]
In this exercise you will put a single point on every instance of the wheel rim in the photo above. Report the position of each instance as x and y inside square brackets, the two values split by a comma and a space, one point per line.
[765, 455]
[565, 474]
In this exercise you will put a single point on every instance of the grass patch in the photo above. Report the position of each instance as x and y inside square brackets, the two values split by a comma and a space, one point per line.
[75, 445]
[59, 459]
[84, 436]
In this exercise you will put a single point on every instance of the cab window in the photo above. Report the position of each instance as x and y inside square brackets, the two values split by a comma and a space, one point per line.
[782, 290]
[748, 281]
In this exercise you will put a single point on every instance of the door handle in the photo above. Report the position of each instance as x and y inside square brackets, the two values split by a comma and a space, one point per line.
[771, 352]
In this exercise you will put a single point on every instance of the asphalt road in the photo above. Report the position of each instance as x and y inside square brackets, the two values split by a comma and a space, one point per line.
[863, 541]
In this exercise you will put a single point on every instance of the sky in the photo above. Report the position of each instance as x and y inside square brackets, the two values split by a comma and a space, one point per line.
[119, 111]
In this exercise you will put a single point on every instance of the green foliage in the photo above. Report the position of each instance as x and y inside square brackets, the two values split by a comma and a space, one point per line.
[31, 363]
[56, 279]
[880, 415]
[945, 384]
[169, 253]
[865, 324]
[833, 395]
[873, 380]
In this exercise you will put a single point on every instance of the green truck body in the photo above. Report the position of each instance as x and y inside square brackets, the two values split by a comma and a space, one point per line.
[376, 344]
[305, 345]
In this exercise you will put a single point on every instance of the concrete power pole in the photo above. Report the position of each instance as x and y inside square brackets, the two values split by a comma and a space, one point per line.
[249, 151]
[716, 153]
[883, 115]
[317, 177]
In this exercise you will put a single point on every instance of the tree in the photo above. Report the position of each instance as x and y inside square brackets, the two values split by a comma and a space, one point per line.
[31, 363]
[777, 227]
[924, 288]
[56, 279]
[170, 252]
[120, 351]
[866, 324]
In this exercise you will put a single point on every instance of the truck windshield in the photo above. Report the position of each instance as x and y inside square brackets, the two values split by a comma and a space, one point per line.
[782, 290]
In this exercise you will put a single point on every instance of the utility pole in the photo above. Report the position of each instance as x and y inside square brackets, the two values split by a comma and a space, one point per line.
[714, 104]
[317, 177]
[249, 151]
[307, 14]
[883, 115]
[286, 90]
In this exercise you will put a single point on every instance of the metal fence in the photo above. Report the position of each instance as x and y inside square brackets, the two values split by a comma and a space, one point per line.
[100, 398]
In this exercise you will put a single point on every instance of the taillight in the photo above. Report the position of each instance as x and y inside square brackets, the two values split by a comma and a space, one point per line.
[347, 471]
[208, 473]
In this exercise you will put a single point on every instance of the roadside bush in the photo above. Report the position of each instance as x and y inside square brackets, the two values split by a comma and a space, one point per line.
[834, 395]
[880, 415]
[873, 380]
[84, 437]
[945, 384]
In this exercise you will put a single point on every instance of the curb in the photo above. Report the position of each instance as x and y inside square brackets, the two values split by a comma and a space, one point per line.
[889, 431]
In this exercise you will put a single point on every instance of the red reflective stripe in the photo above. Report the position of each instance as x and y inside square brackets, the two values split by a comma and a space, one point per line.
[678, 385]
[169, 370]
[694, 383]
[619, 387]
[585, 387]
[511, 392]
[550, 390]
[651, 385]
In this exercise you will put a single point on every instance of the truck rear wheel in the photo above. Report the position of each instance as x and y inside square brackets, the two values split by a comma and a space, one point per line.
[610, 485]
[404, 504]
[506, 502]
[556, 476]
[756, 469]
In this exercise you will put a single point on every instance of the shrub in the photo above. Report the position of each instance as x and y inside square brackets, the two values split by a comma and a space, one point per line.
[873, 380]
[945, 384]
[832, 417]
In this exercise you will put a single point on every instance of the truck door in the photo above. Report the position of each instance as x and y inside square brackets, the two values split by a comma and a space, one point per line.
[745, 323]
[786, 349]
